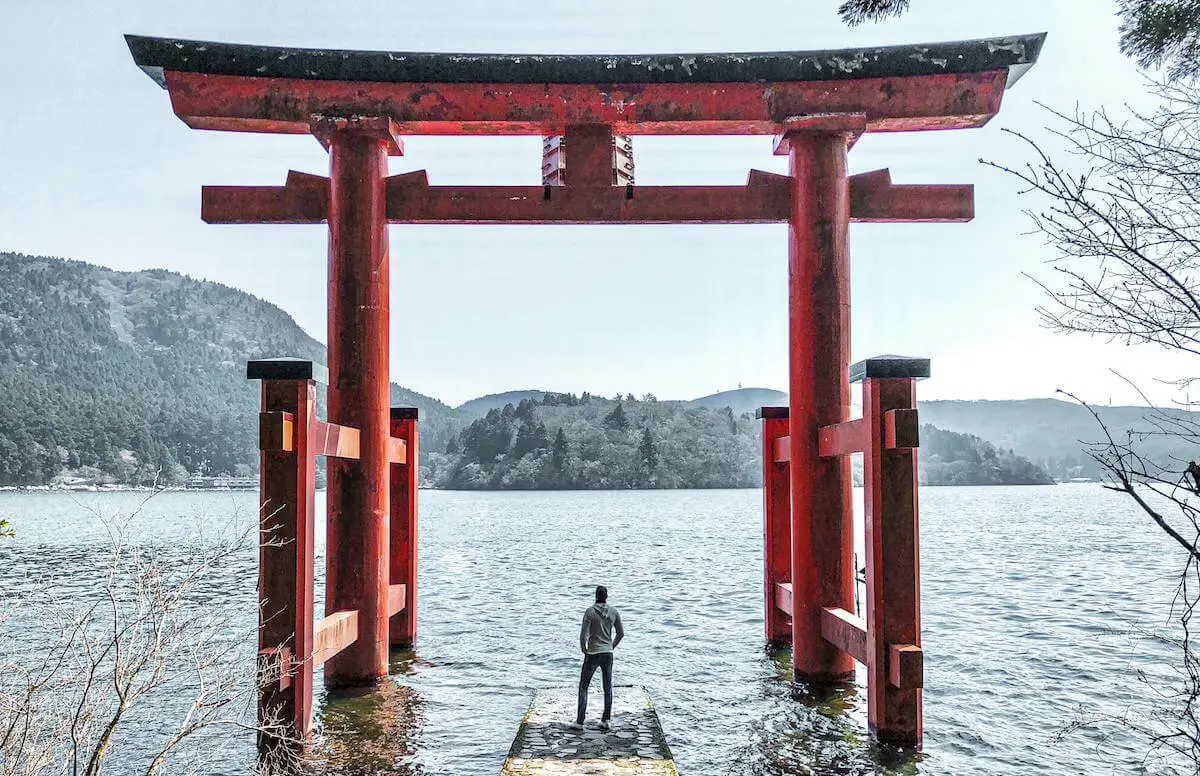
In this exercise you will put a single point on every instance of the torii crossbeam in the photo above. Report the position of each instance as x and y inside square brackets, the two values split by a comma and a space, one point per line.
[360, 104]
[765, 199]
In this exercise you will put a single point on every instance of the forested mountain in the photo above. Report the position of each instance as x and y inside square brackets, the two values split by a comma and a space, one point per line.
[132, 376]
[136, 377]
[1056, 434]
[947, 458]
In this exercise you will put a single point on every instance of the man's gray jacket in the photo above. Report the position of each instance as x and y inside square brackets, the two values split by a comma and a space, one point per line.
[601, 623]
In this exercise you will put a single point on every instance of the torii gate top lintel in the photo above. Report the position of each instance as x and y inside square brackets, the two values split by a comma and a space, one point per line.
[275, 89]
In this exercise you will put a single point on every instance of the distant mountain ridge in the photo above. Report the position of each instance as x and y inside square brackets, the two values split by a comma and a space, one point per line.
[1049, 432]
[137, 376]
[1055, 433]
[742, 400]
[481, 405]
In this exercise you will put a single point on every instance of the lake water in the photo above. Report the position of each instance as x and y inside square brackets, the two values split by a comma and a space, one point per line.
[1036, 604]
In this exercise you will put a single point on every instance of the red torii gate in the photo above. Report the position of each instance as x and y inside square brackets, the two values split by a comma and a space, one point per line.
[817, 104]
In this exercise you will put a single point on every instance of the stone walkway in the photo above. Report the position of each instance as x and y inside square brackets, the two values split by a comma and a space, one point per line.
[546, 746]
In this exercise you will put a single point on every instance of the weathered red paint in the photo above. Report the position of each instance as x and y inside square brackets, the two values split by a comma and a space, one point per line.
[874, 198]
[277, 432]
[819, 379]
[591, 160]
[325, 127]
[279, 105]
[777, 539]
[842, 439]
[285, 558]
[850, 125]
[334, 441]
[411, 200]
[845, 630]
[357, 526]
[893, 566]
[901, 428]
[906, 666]
[783, 600]
[334, 633]
[402, 556]
[397, 598]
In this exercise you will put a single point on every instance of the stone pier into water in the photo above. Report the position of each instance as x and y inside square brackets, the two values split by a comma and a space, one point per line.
[546, 745]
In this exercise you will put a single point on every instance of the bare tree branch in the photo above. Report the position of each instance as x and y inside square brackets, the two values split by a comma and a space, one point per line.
[1121, 210]
[139, 646]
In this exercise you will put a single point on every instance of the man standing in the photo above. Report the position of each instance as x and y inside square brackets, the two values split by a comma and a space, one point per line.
[599, 636]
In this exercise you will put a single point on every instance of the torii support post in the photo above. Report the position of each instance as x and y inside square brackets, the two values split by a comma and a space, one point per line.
[777, 533]
[895, 670]
[403, 530]
[819, 359]
[888, 641]
[357, 553]
[285, 565]
[291, 644]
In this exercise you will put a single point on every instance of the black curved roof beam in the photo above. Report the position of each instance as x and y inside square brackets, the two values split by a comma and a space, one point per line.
[276, 89]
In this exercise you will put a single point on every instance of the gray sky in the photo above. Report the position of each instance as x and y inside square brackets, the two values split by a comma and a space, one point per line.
[95, 167]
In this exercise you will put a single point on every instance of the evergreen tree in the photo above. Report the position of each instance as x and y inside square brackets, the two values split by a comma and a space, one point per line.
[558, 454]
[1162, 32]
[541, 438]
[617, 419]
[647, 451]
[560, 400]
[530, 439]
[1155, 32]
[488, 437]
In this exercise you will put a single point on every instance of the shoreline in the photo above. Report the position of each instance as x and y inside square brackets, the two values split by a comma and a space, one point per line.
[239, 489]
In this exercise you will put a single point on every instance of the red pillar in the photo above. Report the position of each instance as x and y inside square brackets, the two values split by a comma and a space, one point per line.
[777, 533]
[357, 545]
[894, 657]
[285, 554]
[819, 342]
[403, 533]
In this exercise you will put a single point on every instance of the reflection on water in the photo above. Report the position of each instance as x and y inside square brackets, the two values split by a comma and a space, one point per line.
[370, 731]
[1035, 602]
[822, 727]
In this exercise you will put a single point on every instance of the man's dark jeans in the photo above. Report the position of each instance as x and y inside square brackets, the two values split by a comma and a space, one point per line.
[603, 661]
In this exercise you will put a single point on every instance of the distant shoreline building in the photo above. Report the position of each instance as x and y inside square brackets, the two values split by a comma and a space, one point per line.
[222, 482]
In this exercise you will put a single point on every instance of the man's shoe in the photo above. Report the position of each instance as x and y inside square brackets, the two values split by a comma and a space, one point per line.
[576, 726]
[604, 724]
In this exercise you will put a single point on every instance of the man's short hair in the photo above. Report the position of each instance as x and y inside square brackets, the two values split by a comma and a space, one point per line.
[601, 594]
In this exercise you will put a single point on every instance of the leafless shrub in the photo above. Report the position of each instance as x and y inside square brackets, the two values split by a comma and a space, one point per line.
[137, 666]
